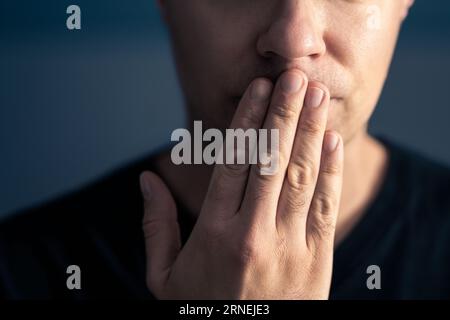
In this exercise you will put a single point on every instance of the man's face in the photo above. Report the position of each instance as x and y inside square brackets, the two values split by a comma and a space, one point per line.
[222, 45]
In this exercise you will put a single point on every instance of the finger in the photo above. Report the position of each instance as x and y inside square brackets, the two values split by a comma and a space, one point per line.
[322, 217]
[303, 168]
[161, 231]
[229, 180]
[263, 190]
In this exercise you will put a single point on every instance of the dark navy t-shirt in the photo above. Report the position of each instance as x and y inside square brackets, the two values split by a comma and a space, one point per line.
[405, 232]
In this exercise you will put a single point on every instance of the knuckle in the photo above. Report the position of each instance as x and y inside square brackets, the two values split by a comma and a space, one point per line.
[152, 227]
[284, 111]
[323, 228]
[331, 169]
[234, 169]
[324, 203]
[310, 127]
[251, 118]
[247, 252]
[301, 174]
[298, 203]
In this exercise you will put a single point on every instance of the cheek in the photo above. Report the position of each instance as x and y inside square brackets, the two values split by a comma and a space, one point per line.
[366, 58]
[211, 49]
[198, 47]
[211, 58]
[375, 50]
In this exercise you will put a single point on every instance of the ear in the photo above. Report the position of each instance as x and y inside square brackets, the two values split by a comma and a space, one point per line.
[407, 4]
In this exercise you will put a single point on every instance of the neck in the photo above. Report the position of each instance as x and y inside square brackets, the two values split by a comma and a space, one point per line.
[364, 167]
[364, 171]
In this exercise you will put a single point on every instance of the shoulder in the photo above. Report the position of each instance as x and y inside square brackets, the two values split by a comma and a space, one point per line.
[95, 226]
[422, 184]
[420, 172]
[99, 201]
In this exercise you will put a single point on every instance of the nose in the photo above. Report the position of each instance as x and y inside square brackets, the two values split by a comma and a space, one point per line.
[296, 32]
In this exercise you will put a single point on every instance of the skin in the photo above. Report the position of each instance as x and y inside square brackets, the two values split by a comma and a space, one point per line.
[271, 237]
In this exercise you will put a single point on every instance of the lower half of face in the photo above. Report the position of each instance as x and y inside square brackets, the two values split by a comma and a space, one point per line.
[215, 44]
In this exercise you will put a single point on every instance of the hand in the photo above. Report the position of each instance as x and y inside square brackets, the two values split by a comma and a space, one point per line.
[257, 237]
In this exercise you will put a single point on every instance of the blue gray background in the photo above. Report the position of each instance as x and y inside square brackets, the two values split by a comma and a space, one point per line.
[75, 105]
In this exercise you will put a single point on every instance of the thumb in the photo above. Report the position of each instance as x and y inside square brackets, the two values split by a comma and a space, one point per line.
[161, 231]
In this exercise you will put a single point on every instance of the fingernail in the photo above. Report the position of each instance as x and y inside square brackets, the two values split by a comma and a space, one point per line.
[314, 97]
[291, 82]
[145, 187]
[260, 90]
[331, 142]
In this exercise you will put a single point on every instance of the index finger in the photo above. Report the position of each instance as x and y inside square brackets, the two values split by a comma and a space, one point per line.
[283, 114]
[229, 180]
